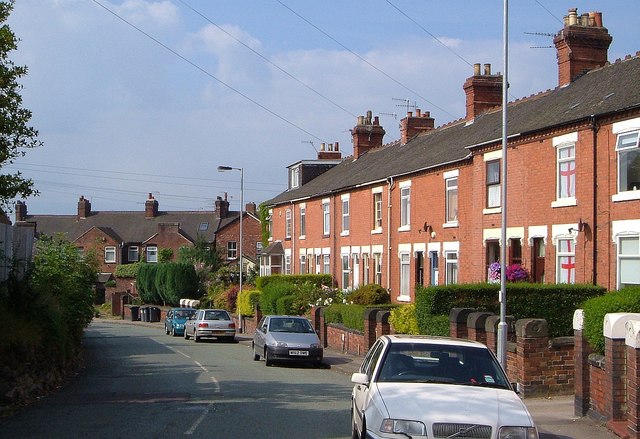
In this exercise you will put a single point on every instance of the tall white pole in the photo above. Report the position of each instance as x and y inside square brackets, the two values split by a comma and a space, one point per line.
[241, 254]
[502, 326]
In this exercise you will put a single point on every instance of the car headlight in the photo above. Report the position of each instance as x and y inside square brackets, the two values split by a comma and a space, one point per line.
[281, 344]
[402, 426]
[518, 433]
[314, 345]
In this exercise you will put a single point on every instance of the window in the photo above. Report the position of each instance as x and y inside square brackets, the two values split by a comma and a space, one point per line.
[326, 220]
[566, 258]
[451, 185]
[295, 177]
[419, 268]
[110, 255]
[377, 261]
[287, 264]
[628, 161]
[270, 224]
[493, 255]
[355, 281]
[133, 253]
[451, 261]
[287, 224]
[515, 251]
[433, 267]
[365, 269]
[318, 259]
[345, 216]
[628, 261]
[303, 221]
[232, 250]
[377, 210]
[405, 206]
[152, 253]
[404, 274]
[303, 264]
[203, 227]
[345, 272]
[566, 177]
[258, 247]
[493, 184]
[327, 264]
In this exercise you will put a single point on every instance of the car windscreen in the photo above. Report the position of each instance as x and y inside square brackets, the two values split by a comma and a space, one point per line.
[216, 315]
[439, 363]
[295, 325]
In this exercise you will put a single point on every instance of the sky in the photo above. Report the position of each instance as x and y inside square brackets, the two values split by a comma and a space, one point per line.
[132, 97]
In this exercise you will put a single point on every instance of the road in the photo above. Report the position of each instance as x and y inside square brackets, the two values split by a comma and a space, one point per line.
[140, 383]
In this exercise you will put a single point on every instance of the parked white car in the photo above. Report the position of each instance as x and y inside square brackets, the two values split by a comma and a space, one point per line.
[210, 323]
[435, 387]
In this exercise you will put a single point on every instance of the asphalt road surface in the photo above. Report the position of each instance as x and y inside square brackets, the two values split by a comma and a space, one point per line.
[140, 383]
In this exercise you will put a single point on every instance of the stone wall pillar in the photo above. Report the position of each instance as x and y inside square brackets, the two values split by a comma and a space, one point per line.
[632, 341]
[382, 323]
[582, 383]
[532, 364]
[458, 322]
[322, 335]
[476, 326]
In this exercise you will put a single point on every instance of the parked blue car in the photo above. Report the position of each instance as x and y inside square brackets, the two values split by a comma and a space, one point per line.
[175, 320]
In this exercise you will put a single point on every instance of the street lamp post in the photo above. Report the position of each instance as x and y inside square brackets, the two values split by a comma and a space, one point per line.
[229, 168]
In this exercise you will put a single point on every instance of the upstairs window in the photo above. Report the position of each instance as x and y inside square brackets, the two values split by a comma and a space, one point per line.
[287, 224]
[405, 206]
[345, 216]
[628, 161]
[452, 199]
[377, 210]
[110, 255]
[232, 250]
[566, 178]
[493, 184]
[294, 177]
[303, 220]
[326, 219]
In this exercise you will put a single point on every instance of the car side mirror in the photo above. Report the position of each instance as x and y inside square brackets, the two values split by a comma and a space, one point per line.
[516, 387]
[360, 378]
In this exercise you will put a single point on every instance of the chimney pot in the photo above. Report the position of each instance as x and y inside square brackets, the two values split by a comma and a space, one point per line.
[487, 69]
[476, 69]
[322, 146]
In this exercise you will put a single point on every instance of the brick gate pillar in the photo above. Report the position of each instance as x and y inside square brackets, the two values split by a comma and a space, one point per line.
[458, 322]
[382, 323]
[632, 341]
[476, 326]
[531, 358]
[582, 383]
[370, 327]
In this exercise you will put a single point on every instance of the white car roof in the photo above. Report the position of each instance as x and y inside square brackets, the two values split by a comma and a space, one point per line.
[430, 339]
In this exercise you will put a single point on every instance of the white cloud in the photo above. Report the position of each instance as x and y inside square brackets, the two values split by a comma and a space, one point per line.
[162, 13]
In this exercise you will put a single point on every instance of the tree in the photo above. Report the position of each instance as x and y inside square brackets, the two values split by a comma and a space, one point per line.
[15, 134]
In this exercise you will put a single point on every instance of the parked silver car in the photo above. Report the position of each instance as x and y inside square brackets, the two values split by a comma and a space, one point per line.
[286, 338]
[210, 323]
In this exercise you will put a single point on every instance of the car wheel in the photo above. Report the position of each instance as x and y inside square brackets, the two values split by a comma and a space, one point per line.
[166, 330]
[267, 361]
[186, 334]
[173, 331]
[196, 338]
[256, 356]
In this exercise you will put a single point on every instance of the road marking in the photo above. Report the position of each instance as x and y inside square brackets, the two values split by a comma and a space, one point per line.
[201, 366]
[206, 411]
[217, 384]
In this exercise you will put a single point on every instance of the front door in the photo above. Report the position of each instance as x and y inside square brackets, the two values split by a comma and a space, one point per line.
[537, 269]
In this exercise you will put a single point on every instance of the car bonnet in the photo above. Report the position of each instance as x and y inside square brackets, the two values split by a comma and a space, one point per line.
[431, 403]
[295, 339]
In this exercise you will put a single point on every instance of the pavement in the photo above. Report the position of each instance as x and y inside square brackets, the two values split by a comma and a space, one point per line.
[554, 415]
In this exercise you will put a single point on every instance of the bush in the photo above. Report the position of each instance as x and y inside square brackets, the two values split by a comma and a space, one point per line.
[625, 300]
[370, 294]
[403, 319]
[284, 305]
[318, 280]
[554, 303]
[271, 292]
[247, 301]
[127, 270]
[438, 325]
[350, 316]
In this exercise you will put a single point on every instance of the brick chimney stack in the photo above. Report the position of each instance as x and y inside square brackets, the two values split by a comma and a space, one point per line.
[21, 211]
[581, 45]
[84, 207]
[366, 135]
[412, 125]
[222, 207]
[329, 152]
[250, 208]
[484, 91]
[151, 207]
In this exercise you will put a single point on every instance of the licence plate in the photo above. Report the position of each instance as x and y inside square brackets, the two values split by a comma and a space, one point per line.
[299, 353]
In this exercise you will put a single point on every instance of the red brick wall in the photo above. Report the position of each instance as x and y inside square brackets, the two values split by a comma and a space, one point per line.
[346, 340]
[251, 234]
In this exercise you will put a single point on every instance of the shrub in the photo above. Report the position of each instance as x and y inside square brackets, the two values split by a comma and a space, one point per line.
[437, 325]
[271, 292]
[370, 294]
[284, 305]
[127, 270]
[625, 300]
[403, 319]
[350, 316]
[247, 301]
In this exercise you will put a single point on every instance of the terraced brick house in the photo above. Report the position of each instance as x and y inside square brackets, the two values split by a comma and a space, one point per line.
[426, 209]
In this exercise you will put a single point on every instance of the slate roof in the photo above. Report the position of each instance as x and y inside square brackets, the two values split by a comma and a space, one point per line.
[132, 226]
[609, 89]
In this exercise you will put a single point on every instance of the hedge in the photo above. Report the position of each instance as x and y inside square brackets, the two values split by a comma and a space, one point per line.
[167, 282]
[318, 280]
[626, 300]
[555, 303]
[247, 301]
[127, 270]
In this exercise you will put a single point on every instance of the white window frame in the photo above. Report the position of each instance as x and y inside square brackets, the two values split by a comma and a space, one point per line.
[451, 267]
[232, 250]
[110, 254]
[346, 206]
[303, 221]
[564, 164]
[405, 206]
[626, 143]
[152, 253]
[366, 279]
[287, 264]
[303, 264]
[493, 201]
[565, 258]
[346, 271]
[287, 224]
[133, 253]
[405, 274]
[326, 218]
[451, 198]
[326, 264]
[295, 177]
[377, 211]
[318, 260]
[628, 260]
[377, 262]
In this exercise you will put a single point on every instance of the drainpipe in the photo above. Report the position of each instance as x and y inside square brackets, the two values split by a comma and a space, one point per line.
[594, 221]
[390, 185]
[293, 236]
